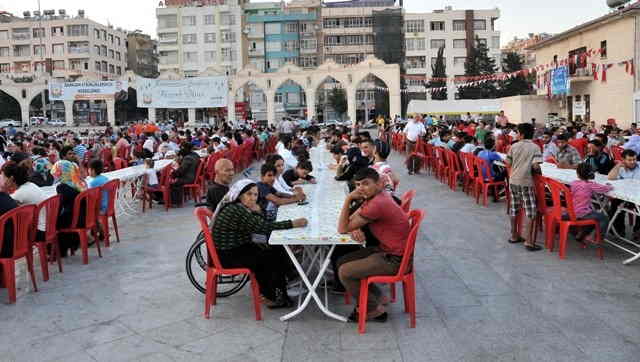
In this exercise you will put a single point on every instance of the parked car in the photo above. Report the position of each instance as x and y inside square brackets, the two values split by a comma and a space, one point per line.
[56, 122]
[37, 121]
[9, 123]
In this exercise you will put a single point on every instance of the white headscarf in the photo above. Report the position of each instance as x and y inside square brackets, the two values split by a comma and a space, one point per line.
[233, 194]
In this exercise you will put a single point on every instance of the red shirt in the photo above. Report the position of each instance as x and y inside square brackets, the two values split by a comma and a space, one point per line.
[387, 222]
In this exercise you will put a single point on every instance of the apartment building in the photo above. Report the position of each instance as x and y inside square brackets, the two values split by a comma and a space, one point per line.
[456, 31]
[193, 35]
[142, 54]
[279, 34]
[64, 46]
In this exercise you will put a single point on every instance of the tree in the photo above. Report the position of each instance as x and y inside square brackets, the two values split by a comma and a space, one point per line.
[478, 64]
[518, 85]
[338, 101]
[439, 72]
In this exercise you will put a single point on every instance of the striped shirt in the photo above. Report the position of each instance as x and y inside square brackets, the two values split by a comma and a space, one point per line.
[235, 224]
[583, 192]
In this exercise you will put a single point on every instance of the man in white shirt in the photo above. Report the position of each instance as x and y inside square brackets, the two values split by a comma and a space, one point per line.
[286, 126]
[149, 145]
[413, 130]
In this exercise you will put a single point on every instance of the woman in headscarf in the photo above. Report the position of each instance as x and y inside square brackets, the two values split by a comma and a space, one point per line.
[67, 173]
[236, 219]
[633, 144]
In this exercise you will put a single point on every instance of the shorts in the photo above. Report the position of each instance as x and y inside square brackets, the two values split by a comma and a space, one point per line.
[522, 197]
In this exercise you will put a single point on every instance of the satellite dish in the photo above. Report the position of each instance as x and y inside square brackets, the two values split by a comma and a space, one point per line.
[617, 4]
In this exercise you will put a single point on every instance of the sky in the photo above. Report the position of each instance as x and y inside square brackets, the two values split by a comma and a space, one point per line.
[517, 17]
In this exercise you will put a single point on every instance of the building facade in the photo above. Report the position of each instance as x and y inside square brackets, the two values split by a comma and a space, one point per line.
[613, 38]
[142, 54]
[520, 45]
[456, 31]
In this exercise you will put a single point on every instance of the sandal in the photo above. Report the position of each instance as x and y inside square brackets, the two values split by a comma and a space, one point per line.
[520, 240]
[533, 247]
[371, 316]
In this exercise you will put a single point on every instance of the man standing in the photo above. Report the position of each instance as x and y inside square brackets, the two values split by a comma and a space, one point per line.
[502, 120]
[413, 130]
[549, 148]
[220, 187]
[286, 127]
[567, 156]
[524, 157]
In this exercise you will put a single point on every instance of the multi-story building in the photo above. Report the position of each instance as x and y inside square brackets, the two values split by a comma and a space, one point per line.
[456, 31]
[193, 35]
[279, 34]
[72, 46]
[520, 45]
[142, 54]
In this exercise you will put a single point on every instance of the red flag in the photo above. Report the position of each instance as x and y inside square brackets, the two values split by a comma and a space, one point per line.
[594, 70]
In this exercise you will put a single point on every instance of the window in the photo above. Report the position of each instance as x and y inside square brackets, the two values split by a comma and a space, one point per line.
[459, 25]
[112, 69]
[308, 44]
[415, 43]
[415, 26]
[437, 26]
[111, 38]
[96, 33]
[437, 43]
[479, 24]
[330, 23]
[189, 39]
[104, 67]
[227, 19]
[112, 54]
[103, 50]
[118, 40]
[21, 34]
[305, 27]
[308, 62]
[272, 28]
[482, 41]
[209, 37]
[190, 57]
[210, 56]
[169, 57]
[168, 37]
[290, 45]
[495, 42]
[5, 68]
[21, 50]
[78, 30]
[274, 46]
[57, 49]
[603, 49]
[227, 36]
[278, 98]
[167, 21]
[209, 20]
[38, 50]
[76, 64]
[416, 62]
[4, 52]
[189, 20]
[58, 65]
[228, 55]
[96, 49]
[4, 35]
[119, 70]
[459, 61]
[118, 56]
[38, 33]
[291, 27]
[459, 43]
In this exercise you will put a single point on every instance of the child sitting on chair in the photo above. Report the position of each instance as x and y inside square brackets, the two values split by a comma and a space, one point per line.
[583, 190]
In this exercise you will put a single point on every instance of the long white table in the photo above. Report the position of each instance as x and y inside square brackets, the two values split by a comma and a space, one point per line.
[320, 236]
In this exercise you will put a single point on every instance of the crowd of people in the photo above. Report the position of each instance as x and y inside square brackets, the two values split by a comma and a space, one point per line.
[609, 151]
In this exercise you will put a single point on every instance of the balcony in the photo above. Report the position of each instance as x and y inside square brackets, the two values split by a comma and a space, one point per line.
[21, 36]
[256, 52]
[168, 40]
[78, 50]
[580, 74]
[308, 50]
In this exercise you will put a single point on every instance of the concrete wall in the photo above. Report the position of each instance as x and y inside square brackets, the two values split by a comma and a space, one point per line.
[613, 99]
[520, 109]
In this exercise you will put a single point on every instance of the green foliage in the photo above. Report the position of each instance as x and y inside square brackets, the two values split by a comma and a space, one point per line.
[439, 71]
[519, 85]
[338, 100]
[479, 63]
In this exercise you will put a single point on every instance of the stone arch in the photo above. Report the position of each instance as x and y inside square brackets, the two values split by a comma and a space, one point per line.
[294, 80]
[14, 111]
[56, 108]
[384, 97]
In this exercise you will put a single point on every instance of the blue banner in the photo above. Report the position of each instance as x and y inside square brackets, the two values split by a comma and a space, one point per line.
[560, 81]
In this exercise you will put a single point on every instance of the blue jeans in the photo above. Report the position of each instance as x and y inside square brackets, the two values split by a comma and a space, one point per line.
[600, 217]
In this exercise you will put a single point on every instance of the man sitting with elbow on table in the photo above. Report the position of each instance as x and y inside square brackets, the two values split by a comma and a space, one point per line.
[387, 223]
[627, 169]
[567, 156]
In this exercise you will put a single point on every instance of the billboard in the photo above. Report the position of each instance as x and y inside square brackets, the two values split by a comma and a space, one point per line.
[560, 81]
[198, 92]
[88, 90]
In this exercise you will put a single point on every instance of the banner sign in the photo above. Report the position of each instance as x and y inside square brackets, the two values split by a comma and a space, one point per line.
[88, 90]
[197, 92]
[560, 81]
[579, 108]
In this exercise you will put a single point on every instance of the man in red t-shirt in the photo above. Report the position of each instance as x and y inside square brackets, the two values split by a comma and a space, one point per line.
[387, 223]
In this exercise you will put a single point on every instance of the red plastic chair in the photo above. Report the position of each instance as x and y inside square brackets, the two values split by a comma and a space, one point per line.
[455, 168]
[483, 184]
[616, 152]
[442, 166]
[21, 219]
[51, 207]
[91, 199]
[111, 188]
[215, 268]
[407, 198]
[558, 215]
[469, 173]
[405, 274]
[195, 189]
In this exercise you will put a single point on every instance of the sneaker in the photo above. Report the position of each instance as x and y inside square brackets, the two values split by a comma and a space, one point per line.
[378, 315]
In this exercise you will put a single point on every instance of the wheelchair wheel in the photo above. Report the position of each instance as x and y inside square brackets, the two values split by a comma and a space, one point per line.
[196, 267]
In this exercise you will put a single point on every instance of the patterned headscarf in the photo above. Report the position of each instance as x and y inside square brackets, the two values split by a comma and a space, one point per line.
[233, 194]
[41, 165]
[68, 173]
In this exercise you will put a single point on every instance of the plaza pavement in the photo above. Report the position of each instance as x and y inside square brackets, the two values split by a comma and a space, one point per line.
[478, 299]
